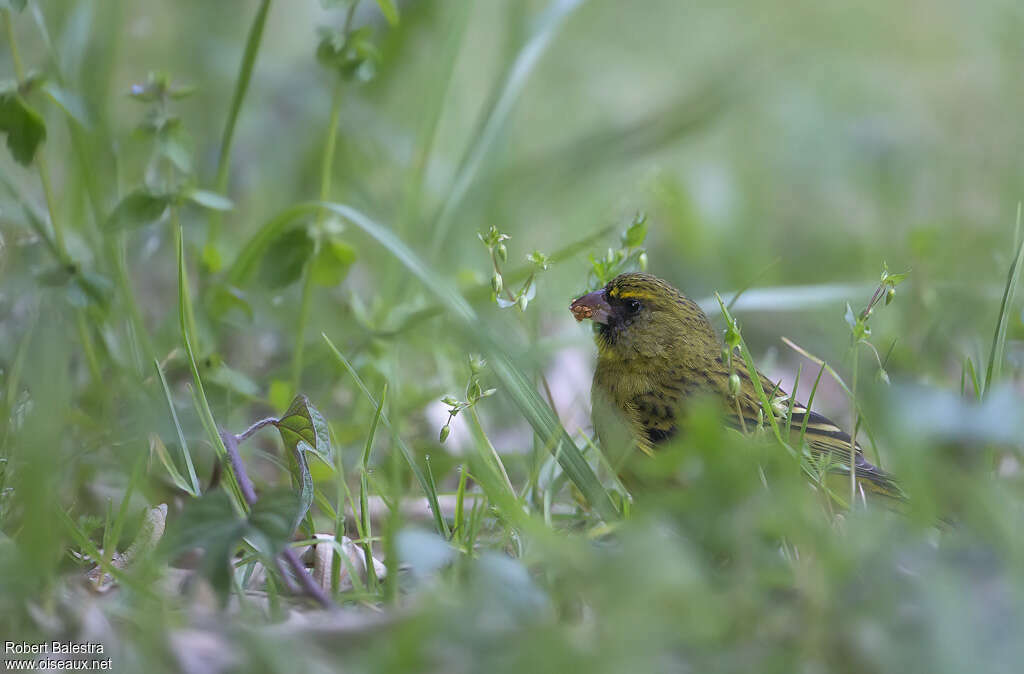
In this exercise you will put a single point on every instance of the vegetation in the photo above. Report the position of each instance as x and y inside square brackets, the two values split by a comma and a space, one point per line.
[277, 273]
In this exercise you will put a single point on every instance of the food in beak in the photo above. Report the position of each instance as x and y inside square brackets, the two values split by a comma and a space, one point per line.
[593, 306]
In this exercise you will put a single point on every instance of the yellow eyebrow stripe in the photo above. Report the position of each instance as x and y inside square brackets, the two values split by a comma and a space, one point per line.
[637, 294]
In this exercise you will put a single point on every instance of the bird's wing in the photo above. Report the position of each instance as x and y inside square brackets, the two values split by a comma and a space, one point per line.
[828, 443]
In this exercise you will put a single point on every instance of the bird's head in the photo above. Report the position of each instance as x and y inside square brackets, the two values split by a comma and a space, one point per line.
[640, 316]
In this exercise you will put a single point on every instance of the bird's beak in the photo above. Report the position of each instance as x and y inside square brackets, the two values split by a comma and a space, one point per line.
[593, 306]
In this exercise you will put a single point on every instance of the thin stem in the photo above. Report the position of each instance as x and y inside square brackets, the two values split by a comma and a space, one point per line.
[269, 421]
[19, 70]
[87, 346]
[853, 435]
[327, 161]
[51, 205]
[300, 336]
[326, 165]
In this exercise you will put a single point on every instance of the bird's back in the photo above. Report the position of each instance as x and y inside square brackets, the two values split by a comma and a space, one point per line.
[643, 411]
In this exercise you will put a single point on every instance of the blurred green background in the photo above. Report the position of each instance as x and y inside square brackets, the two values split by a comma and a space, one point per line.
[795, 148]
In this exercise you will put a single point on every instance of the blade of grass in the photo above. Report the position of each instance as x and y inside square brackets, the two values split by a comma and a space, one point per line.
[364, 515]
[997, 353]
[373, 427]
[969, 366]
[488, 453]
[252, 45]
[459, 530]
[193, 480]
[156, 446]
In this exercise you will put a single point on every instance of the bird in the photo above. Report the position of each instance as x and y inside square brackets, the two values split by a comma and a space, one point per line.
[657, 350]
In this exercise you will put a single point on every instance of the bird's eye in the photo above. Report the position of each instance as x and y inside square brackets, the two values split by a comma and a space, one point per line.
[634, 306]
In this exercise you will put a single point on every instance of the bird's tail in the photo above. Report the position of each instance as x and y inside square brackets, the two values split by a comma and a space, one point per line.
[829, 443]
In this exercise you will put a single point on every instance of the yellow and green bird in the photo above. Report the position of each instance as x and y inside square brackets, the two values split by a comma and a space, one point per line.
[656, 349]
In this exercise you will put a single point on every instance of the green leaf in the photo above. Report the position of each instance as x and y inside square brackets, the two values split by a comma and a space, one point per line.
[635, 234]
[210, 523]
[303, 479]
[70, 102]
[174, 143]
[16, 5]
[302, 426]
[248, 260]
[389, 10]
[352, 55]
[304, 430]
[24, 127]
[272, 521]
[332, 262]
[286, 257]
[139, 208]
[208, 199]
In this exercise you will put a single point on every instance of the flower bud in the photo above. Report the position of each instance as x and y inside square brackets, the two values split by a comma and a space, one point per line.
[502, 252]
[889, 294]
[642, 261]
[445, 430]
[496, 283]
[734, 384]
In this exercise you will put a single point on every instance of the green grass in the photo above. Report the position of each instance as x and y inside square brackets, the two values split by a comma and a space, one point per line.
[205, 218]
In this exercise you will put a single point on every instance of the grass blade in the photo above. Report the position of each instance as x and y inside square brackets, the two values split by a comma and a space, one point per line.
[193, 487]
[373, 426]
[252, 45]
[998, 351]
